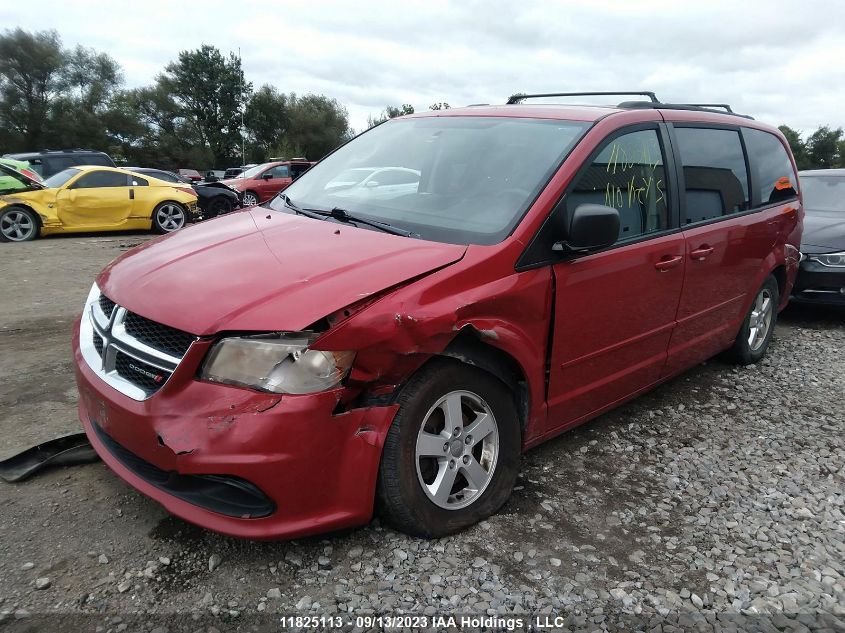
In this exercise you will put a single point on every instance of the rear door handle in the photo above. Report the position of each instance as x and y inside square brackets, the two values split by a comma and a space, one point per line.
[668, 262]
[131, 194]
[701, 252]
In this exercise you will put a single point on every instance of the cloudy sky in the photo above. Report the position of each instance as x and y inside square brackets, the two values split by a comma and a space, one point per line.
[779, 61]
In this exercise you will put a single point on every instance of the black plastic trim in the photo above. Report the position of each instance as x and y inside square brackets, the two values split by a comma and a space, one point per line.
[223, 494]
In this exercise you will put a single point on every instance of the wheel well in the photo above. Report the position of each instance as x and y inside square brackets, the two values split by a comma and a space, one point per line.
[468, 347]
[779, 274]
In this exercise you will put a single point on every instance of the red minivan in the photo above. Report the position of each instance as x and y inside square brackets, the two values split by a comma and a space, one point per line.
[395, 347]
[262, 182]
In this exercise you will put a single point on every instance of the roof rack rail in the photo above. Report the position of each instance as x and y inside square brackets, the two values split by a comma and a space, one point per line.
[518, 98]
[724, 106]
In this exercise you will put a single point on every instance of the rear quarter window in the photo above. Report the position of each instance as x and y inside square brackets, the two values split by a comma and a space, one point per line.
[771, 167]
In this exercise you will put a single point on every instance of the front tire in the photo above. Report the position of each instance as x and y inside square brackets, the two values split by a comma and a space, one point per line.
[18, 224]
[169, 216]
[250, 199]
[451, 456]
[219, 206]
[756, 332]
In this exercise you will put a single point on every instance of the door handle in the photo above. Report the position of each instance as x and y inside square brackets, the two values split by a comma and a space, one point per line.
[131, 194]
[668, 262]
[701, 252]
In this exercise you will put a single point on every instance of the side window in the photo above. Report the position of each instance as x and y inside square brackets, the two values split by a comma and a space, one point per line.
[137, 181]
[94, 179]
[629, 175]
[280, 171]
[715, 177]
[770, 164]
[95, 159]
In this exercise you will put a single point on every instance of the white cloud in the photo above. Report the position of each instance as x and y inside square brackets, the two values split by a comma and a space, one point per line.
[777, 61]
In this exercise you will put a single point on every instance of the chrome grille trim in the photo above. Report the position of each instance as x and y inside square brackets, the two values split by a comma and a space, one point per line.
[116, 339]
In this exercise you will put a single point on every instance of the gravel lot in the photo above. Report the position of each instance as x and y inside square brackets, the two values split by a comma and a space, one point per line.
[716, 502]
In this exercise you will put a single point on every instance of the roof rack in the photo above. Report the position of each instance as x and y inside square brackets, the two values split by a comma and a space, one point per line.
[653, 102]
[518, 98]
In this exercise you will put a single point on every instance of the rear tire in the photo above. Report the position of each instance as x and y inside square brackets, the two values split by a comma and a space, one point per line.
[18, 224]
[250, 199]
[756, 332]
[169, 216]
[435, 476]
[219, 206]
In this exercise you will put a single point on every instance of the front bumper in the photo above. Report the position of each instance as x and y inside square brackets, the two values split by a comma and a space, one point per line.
[193, 443]
[819, 284]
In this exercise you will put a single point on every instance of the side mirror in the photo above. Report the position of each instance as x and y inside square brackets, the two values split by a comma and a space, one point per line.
[372, 183]
[593, 226]
[267, 175]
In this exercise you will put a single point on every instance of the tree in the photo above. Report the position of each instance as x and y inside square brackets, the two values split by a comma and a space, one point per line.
[317, 125]
[390, 112]
[267, 120]
[442, 105]
[89, 80]
[823, 147]
[796, 144]
[211, 92]
[31, 66]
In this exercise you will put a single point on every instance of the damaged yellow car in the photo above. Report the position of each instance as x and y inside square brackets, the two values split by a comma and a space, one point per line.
[89, 199]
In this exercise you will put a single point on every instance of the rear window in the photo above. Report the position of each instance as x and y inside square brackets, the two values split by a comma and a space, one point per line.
[94, 159]
[715, 176]
[771, 166]
[824, 193]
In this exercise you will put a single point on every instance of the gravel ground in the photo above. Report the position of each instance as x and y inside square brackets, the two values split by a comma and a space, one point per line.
[716, 502]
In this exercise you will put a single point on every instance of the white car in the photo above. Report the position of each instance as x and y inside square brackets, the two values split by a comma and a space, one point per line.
[374, 182]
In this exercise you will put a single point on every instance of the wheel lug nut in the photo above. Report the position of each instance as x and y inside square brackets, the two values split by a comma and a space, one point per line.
[445, 448]
[466, 459]
[469, 439]
[457, 431]
[452, 464]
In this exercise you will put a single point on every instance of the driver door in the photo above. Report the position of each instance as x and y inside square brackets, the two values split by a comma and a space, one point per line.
[97, 199]
[615, 308]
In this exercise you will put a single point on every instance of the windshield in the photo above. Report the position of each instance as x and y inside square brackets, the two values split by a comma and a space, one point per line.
[57, 180]
[823, 193]
[252, 171]
[463, 180]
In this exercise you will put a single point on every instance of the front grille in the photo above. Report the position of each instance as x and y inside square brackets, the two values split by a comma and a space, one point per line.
[147, 377]
[106, 305]
[98, 343]
[161, 337]
[131, 353]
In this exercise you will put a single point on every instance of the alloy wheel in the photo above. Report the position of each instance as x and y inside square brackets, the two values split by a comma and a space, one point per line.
[17, 226]
[456, 450]
[760, 320]
[170, 217]
[250, 199]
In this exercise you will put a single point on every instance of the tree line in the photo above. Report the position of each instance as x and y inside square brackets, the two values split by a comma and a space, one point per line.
[191, 115]
[823, 149]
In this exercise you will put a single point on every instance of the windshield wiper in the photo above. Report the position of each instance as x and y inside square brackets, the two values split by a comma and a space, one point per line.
[342, 215]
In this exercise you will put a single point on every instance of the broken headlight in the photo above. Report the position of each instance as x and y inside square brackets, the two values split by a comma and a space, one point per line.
[277, 363]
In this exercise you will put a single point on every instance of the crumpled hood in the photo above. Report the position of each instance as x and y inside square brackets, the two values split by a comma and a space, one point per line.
[824, 231]
[263, 270]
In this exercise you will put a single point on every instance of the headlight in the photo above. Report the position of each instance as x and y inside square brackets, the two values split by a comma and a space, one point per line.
[834, 260]
[278, 364]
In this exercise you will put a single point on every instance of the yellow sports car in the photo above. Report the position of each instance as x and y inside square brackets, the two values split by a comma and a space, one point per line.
[81, 199]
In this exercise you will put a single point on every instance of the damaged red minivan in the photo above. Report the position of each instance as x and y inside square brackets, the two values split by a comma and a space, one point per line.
[503, 274]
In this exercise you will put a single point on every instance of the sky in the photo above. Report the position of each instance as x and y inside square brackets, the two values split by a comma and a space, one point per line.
[781, 62]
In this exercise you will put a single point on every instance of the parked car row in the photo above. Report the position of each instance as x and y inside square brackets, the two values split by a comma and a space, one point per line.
[87, 198]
